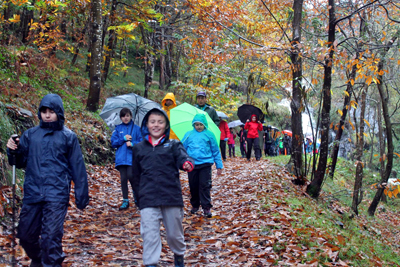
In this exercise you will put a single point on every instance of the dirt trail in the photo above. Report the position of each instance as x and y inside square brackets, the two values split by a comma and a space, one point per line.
[236, 235]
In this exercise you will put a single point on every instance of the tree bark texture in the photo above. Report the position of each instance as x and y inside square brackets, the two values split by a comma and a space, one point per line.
[358, 192]
[388, 132]
[296, 104]
[345, 110]
[110, 45]
[314, 188]
[96, 56]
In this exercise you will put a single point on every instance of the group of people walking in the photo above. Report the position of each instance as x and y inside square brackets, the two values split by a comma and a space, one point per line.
[149, 157]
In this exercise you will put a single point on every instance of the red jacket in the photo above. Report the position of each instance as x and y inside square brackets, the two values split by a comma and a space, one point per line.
[253, 128]
[223, 127]
[231, 140]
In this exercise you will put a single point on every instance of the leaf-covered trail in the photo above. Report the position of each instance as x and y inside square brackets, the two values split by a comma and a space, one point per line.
[242, 232]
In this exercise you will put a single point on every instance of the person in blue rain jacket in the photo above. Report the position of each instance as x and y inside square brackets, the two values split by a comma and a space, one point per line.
[201, 145]
[123, 138]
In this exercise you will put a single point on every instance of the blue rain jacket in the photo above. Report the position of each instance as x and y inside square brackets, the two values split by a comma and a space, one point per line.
[123, 156]
[53, 158]
[202, 146]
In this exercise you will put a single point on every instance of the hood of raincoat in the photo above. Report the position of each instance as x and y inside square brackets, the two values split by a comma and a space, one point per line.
[251, 118]
[169, 96]
[55, 103]
[145, 130]
[200, 118]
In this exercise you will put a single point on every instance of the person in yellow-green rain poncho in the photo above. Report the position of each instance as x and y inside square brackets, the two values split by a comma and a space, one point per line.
[167, 104]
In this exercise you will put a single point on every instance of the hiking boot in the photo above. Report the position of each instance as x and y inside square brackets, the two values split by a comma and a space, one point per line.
[207, 213]
[178, 260]
[257, 159]
[125, 205]
[194, 210]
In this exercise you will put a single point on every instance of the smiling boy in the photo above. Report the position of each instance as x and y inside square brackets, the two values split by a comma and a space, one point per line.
[156, 163]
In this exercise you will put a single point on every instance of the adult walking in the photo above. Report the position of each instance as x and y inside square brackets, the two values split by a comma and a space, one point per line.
[225, 133]
[253, 126]
[201, 99]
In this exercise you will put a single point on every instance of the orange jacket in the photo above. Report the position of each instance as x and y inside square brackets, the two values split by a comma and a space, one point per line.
[170, 96]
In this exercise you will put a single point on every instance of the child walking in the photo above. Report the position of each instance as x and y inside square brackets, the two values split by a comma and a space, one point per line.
[52, 157]
[201, 145]
[156, 161]
[231, 143]
[253, 127]
[123, 138]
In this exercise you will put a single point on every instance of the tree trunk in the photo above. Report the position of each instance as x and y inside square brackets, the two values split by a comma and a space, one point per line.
[110, 45]
[345, 109]
[296, 104]
[96, 56]
[314, 188]
[80, 43]
[149, 58]
[6, 24]
[358, 192]
[26, 22]
[162, 59]
[389, 137]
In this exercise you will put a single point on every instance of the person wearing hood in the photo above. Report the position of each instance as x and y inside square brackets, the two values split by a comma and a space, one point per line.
[123, 138]
[167, 104]
[156, 161]
[201, 145]
[252, 128]
[52, 158]
[201, 99]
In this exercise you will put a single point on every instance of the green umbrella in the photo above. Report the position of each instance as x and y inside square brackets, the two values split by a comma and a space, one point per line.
[181, 120]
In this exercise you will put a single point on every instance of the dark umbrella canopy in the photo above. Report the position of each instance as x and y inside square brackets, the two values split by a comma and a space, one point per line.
[245, 111]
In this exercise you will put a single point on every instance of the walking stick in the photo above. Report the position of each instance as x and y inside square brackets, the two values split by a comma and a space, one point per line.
[14, 163]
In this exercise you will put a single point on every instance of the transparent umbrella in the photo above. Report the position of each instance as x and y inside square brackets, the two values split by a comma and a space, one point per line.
[136, 103]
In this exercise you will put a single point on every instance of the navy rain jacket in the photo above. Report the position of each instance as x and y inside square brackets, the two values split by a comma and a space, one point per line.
[52, 157]
[156, 169]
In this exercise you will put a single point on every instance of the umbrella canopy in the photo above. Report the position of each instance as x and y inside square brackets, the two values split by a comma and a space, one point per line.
[235, 123]
[245, 111]
[287, 132]
[181, 120]
[137, 104]
[222, 115]
[273, 128]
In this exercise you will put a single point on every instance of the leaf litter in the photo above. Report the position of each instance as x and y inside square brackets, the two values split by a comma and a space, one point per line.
[243, 231]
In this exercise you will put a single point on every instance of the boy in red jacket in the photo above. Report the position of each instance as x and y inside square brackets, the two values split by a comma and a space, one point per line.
[253, 127]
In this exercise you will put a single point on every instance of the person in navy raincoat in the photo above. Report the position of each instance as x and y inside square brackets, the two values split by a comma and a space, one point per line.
[52, 158]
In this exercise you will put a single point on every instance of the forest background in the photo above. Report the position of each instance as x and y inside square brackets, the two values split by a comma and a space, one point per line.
[334, 60]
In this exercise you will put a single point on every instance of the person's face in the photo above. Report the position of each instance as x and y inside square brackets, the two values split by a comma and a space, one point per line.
[156, 125]
[201, 100]
[253, 119]
[48, 115]
[127, 118]
[198, 126]
[168, 102]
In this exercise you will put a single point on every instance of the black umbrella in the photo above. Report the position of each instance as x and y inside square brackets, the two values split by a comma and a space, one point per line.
[245, 111]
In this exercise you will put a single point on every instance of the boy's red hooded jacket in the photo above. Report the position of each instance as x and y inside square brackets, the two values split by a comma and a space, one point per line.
[253, 127]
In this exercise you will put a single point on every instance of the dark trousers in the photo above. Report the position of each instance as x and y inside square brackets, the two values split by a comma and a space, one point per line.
[231, 150]
[40, 231]
[269, 149]
[243, 149]
[222, 147]
[257, 150]
[200, 186]
[126, 175]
